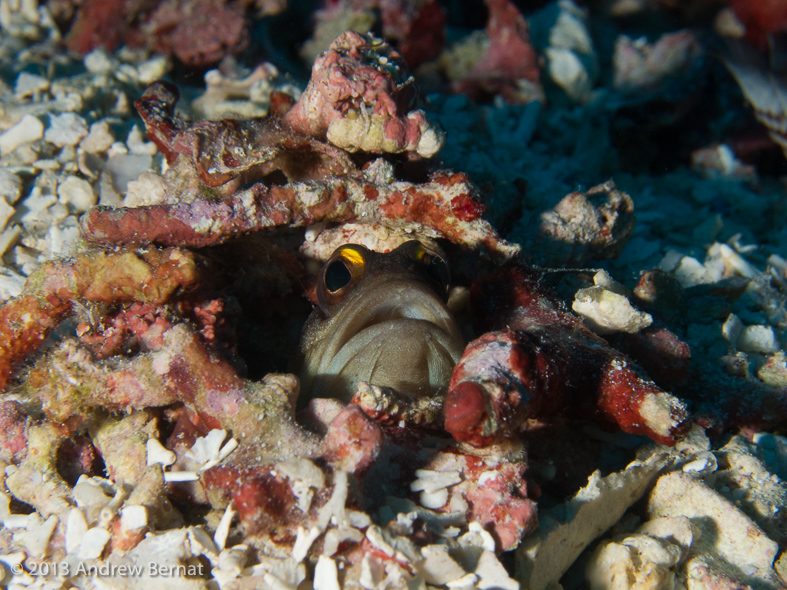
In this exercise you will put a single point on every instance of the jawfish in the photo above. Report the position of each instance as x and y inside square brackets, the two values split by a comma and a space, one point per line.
[381, 318]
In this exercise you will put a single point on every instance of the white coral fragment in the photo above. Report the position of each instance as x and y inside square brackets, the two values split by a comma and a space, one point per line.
[208, 451]
[326, 575]
[432, 481]
[76, 527]
[607, 312]
[156, 453]
[93, 543]
[439, 567]
[223, 529]
[305, 477]
[36, 535]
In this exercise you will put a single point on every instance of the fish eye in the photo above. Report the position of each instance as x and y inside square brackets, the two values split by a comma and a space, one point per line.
[432, 265]
[342, 271]
[337, 275]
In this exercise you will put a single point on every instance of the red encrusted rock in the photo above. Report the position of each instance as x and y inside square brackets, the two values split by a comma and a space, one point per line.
[206, 221]
[353, 440]
[152, 276]
[361, 97]
[262, 498]
[198, 32]
[500, 504]
[509, 66]
[538, 360]
[660, 352]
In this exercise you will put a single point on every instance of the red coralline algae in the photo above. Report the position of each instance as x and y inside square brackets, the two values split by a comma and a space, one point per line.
[102, 23]
[539, 360]
[360, 96]
[509, 66]
[262, 498]
[353, 441]
[419, 34]
[151, 276]
[198, 32]
[500, 504]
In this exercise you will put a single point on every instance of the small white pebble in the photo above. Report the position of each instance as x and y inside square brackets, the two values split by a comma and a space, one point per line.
[99, 62]
[16, 521]
[431, 481]
[76, 527]
[10, 186]
[153, 69]
[133, 517]
[66, 129]
[732, 328]
[434, 500]
[28, 84]
[758, 338]
[607, 312]
[99, 139]
[28, 129]
[326, 575]
[93, 543]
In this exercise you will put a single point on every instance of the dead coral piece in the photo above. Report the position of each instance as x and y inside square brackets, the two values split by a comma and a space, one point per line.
[587, 226]
[727, 536]
[177, 368]
[647, 557]
[198, 32]
[122, 444]
[538, 360]
[151, 276]
[215, 152]
[640, 66]
[566, 530]
[36, 480]
[447, 206]
[360, 97]
[508, 66]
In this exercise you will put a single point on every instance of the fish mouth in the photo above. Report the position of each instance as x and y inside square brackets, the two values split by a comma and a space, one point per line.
[397, 335]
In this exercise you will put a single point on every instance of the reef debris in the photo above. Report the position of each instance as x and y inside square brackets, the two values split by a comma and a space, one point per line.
[203, 201]
[50, 293]
[507, 64]
[534, 359]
